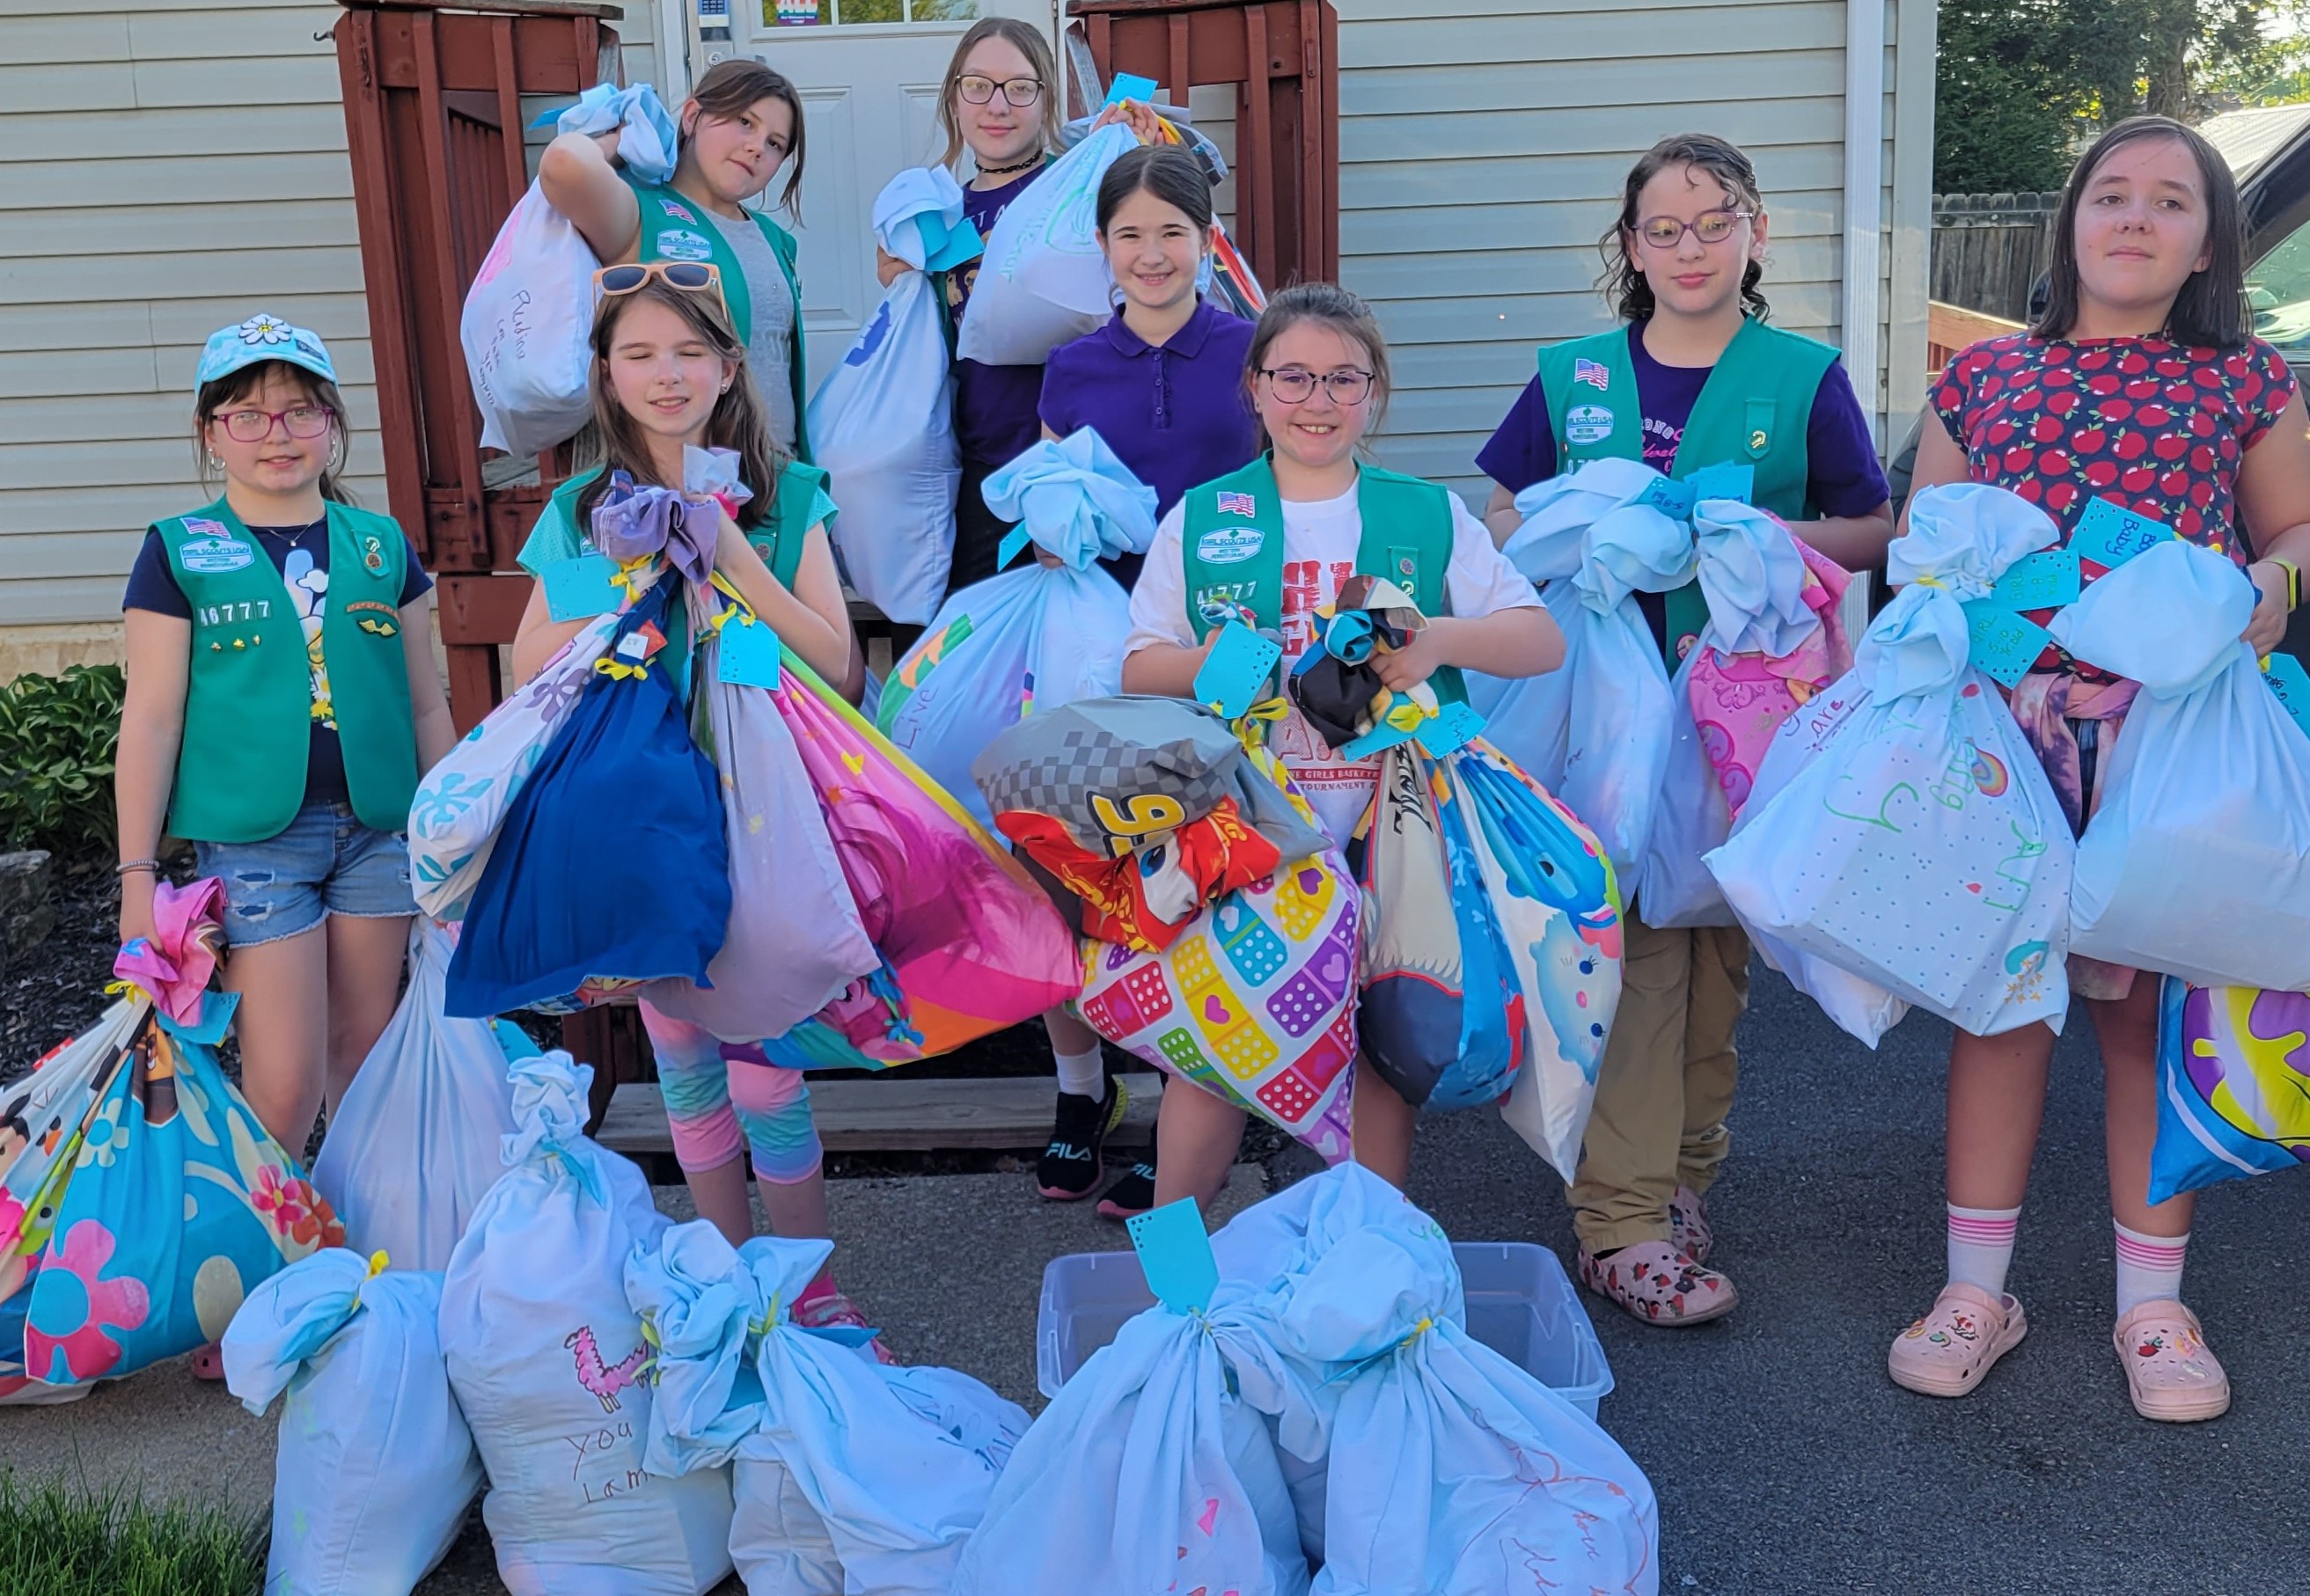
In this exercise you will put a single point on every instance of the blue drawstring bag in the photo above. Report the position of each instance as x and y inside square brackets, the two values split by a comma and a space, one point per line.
[2233, 1076]
[611, 867]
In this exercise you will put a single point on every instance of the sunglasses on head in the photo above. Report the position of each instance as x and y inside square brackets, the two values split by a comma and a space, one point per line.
[696, 277]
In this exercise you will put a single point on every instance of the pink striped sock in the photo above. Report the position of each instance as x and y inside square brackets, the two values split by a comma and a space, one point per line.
[1981, 1245]
[2148, 1267]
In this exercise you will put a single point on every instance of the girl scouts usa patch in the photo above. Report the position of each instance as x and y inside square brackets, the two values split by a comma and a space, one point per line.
[679, 244]
[1587, 424]
[1228, 545]
[212, 555]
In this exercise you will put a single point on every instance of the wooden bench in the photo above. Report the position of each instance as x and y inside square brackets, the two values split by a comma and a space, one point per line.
[1013, 1114]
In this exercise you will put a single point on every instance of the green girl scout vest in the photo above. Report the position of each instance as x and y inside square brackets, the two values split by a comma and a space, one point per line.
[1231, 547]
[676, 228]
[248, 701]
[1753, 410]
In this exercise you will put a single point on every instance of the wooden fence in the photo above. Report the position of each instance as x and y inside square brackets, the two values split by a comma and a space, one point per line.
[1988, 248]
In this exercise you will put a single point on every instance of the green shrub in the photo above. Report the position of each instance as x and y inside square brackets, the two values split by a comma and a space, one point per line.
[57, 734]
[58, 1541]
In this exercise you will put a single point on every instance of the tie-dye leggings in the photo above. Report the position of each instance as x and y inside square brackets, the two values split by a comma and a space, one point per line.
[721, 1098]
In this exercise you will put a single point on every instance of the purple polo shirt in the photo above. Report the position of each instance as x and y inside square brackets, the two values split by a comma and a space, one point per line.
[1174, 413]
[993, 406]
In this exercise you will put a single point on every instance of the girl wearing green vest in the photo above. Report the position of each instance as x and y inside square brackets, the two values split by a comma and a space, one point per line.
[1694, 377]
[670, 373]
[281, 702]
[739, 126]
[1272, 542]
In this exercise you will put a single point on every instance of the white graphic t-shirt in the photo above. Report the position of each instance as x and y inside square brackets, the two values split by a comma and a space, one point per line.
[1320, 538]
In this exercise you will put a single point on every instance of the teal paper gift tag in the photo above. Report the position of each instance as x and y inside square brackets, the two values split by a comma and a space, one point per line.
[1378, 739]
[1175, 1252]
[1722, 480]
[1131, 86]
[2291, 683]
[2109, 535]
[1236, 673]
[2001, 645]
[1452, 727]
[580, 588]
[2045, 580]
[1672, 499]
[749, 654]
[216, 1018]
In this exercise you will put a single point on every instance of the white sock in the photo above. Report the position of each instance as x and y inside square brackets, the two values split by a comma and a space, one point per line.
[1082, 1074]
[2148, 1268]
[1981, 1245]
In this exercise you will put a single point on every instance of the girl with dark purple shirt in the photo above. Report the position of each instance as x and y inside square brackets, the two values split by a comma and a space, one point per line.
[1162, 383]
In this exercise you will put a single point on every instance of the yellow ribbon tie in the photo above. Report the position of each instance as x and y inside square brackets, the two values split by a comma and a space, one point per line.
[1251, 727]
[629, 575]
[114, 989]
[1419, 1329]
[1932, 582]
[618, 670]
[1404, 716]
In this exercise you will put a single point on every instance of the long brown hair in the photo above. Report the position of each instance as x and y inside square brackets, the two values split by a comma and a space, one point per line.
[1333, 307]
[1622, 280]
[228, 390]
[2211, 308]
[737, 422]
[1021, 37]
[731, 88]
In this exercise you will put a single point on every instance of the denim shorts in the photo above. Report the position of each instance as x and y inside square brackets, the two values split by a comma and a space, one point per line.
[326, 863]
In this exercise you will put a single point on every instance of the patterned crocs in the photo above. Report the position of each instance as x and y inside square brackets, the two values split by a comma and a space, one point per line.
[1656, 1283]
[2170, 1372]
[1687, 1225]
[1948, 1351]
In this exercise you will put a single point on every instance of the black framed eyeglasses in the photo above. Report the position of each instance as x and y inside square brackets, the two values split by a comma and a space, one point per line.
[1020, 92]
[1347, 387]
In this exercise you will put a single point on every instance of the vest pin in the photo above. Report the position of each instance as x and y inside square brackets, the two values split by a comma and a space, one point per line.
[1757, 439]
[240, 643]
[216, 648]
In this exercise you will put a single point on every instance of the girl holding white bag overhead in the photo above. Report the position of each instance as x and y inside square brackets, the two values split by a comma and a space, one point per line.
[1695, 377]
[739, 128]
[1162, 383]
[669, 375]
[2140, 390]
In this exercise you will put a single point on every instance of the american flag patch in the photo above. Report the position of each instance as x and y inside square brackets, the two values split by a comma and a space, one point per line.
[1238, 503]
[1594, 373]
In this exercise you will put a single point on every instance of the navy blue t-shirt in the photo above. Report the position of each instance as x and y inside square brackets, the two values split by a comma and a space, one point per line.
[301, 555]
[995, 418]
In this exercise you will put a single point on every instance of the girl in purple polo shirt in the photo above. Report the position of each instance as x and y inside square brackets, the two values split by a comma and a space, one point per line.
[1712, 382]
[1162, 383]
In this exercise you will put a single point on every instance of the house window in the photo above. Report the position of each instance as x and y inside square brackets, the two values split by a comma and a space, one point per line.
[837, 14]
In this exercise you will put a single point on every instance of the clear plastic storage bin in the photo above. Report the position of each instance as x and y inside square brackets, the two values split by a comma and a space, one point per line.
[1520, 1303]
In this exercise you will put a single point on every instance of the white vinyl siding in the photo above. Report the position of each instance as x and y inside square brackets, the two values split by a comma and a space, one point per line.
[176, 166]
[1472, 195]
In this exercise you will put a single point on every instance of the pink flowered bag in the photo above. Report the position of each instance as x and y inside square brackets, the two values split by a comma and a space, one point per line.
[1739, 700]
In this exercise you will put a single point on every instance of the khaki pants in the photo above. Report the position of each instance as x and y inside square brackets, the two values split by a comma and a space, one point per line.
[1665, 1084]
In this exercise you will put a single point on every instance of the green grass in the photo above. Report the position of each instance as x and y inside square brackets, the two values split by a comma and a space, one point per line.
[58, 1541]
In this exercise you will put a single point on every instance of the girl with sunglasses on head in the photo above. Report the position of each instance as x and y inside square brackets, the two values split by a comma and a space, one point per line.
[1290, 528]
[740, 128]
[669, 374]
[1162, 383]
[1694, 377]
[2140, 383]
[282, 702]
[997, 103]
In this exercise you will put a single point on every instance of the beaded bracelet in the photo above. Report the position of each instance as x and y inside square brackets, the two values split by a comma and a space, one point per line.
[133, 865]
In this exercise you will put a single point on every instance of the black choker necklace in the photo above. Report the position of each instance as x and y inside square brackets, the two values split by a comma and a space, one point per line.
[1004, 171]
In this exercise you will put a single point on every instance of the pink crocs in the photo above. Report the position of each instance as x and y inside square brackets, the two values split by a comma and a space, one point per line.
[2170, 1372]
[1689, 1230]
[1656, 1283]
[1948, 1351]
